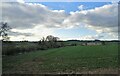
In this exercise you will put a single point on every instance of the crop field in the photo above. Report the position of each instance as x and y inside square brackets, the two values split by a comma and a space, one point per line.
[70, 59]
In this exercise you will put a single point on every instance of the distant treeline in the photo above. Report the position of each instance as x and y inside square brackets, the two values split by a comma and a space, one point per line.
[49, 42]
[94, 40]
[18, 47]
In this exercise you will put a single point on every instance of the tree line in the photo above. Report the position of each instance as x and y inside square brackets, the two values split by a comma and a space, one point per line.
[48, 42]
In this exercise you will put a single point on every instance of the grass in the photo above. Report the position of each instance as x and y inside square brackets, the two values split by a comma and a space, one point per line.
[72, 59]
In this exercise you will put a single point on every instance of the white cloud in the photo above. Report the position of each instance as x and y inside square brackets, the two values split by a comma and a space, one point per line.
[28, 18]
[21, 1]
[101, 19]
[87, 37]
[39, 20]
[81, 7]
[36, 33]
[20, 15]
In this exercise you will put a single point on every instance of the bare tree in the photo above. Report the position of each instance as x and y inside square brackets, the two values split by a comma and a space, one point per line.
[4, 28]
[52, 41]
[56, 39]
[49, 42]
[51, 38]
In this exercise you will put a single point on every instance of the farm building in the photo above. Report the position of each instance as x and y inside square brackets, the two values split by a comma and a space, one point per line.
[96, 42]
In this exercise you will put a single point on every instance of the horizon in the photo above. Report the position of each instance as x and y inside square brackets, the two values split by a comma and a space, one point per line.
[60, 40]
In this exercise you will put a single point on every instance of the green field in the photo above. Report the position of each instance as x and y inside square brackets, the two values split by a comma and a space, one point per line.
[70, 59]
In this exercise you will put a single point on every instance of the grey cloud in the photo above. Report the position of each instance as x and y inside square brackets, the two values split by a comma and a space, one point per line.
[22, 16]
[99, 18]
[11, 33]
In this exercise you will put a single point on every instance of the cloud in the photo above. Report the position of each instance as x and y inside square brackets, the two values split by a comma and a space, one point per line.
[38, 20]
[87, 37]
[11, 33]
[34, 19]
[30, 34]
[20, 1]
[22, 15]
[81, 7]
[101, 19]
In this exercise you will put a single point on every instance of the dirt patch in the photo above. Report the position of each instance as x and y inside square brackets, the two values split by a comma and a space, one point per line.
[38, 60]
[96, 71]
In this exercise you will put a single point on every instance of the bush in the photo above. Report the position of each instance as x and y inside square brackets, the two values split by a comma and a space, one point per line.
[11, 48]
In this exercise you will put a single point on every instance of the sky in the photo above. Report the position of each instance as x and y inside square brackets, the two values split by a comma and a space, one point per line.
[66, 20]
